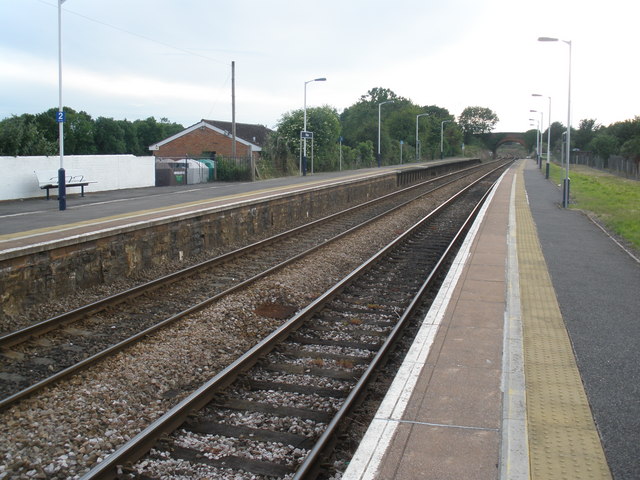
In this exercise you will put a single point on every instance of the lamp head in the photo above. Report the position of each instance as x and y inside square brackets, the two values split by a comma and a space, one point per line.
[320, 79]
[547, 39]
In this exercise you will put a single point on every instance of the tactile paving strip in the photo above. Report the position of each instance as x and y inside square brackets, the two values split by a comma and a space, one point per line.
[563, 440]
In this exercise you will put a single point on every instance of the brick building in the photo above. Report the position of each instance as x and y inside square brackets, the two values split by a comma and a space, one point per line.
[209, 137]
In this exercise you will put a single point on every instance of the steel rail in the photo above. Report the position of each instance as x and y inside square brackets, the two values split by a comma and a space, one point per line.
[138, 446]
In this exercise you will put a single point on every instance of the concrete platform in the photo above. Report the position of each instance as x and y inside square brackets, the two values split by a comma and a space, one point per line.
[491, 388]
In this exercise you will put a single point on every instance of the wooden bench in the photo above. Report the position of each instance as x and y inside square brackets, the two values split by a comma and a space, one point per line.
[48, 179]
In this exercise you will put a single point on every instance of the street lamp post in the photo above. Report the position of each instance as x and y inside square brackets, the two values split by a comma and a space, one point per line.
[538, 139]
[379, 109]
[62, 188]
[546, 173]
[566, 184]
[442, 137]
[535, 124]
[417, 137]
[303, 166]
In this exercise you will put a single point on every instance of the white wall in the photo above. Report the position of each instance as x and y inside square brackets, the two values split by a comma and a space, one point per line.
[110, 172]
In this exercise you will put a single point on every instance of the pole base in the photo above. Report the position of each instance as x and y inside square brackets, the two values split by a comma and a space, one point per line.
[566, 184]
[62, 189]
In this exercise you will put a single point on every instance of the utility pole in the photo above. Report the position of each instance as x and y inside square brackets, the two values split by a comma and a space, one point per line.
[233, 109]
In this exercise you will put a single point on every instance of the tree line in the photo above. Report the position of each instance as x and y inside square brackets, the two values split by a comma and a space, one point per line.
[407, 131]
[38, 134]
[619, 138]
[349, 137]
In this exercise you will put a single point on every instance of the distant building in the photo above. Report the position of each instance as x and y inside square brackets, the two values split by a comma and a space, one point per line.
[209, 138]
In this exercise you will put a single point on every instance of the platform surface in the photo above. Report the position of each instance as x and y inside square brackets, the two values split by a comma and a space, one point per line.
[521, 369]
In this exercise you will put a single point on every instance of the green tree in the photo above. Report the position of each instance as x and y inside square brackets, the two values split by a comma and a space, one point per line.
[325, 125]
[631, 149]
[360, 120]
[557, 129]
[78, 133]
[131, 140]
[604, 145]
[475, 120]
[628, 135]
[20, 136]
[530, 139]
[587, 130]
[47, 124]
[109, 136]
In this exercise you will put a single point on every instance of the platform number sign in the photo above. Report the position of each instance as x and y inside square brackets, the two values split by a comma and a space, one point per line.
[60, 117]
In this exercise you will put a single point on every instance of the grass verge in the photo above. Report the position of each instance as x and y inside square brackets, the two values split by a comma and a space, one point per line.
[614, 201]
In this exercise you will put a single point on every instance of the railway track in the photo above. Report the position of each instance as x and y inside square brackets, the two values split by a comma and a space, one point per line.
[44, 353]
[276, 411]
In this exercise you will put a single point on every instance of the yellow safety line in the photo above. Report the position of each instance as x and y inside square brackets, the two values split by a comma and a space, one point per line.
[563, 440]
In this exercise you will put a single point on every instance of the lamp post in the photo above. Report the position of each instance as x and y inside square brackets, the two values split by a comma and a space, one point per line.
[62, 188]
[566, 184]
[538, 139]
[442, 137]
[303, 167]
[535, 124]
[546, 172]
[379, 109]
[417, 137]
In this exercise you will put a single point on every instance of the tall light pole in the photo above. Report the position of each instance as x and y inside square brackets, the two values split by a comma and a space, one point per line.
[379, 109]
[303, 167]
[442, 137]
[62, 188]
[566, 184]
[546, 172]
[538, 139]
[535, 124]
[417, 137]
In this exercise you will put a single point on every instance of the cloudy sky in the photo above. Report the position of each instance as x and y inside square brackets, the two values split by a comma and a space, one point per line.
[166, 58]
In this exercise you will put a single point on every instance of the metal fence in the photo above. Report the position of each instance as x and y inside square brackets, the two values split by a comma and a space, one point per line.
[616, 165]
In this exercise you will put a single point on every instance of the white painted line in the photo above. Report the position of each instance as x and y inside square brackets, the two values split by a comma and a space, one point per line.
[366, 461]
[514, 456]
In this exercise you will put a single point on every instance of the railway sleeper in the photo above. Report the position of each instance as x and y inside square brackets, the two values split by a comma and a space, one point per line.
[350, 329]
[256, 467]
[335, 343]
[290, 387]
[240, 404]
[316, 371]
[209, 427]
[300, 353]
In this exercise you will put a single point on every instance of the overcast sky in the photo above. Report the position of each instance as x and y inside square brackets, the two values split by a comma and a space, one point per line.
[166, 58]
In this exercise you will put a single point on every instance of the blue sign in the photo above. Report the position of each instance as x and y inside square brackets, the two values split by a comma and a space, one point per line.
[60, 117]
[304, 134]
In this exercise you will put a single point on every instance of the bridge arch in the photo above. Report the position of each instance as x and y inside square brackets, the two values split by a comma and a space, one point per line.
[500, 138]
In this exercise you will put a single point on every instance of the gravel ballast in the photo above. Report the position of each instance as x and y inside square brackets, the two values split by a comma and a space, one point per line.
[67, 428]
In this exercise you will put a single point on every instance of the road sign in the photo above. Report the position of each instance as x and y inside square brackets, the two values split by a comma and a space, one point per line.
[304, 134]
[60, 117]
